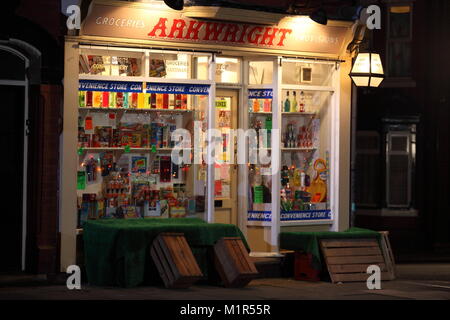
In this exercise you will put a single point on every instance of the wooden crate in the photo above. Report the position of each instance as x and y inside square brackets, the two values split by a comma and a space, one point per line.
[387, 254]
[174, 260]
[233, 263]
[347, 259]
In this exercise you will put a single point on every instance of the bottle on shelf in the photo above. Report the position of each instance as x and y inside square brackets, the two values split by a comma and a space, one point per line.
[119, 100]
[97, 99]
[153, 100]
[140, 100]
[89, 98]
[255, 105]
[302, 102]
[134, 100]
[294, 104]
[125, 100]
[300, 137]
[105, 99]
[159, 101]
[287, 103]
[267, 105]
[82, 98]
[178, 101]
[184, 101]
[165, 101]
[171, 101]
[112, 99]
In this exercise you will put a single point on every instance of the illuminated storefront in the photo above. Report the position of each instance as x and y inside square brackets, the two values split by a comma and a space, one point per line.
[144, 85]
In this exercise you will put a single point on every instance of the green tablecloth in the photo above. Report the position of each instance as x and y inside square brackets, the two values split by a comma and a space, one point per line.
[117, 251]
[309, 241]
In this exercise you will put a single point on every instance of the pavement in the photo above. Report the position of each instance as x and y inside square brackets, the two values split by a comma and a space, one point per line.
[427, 281]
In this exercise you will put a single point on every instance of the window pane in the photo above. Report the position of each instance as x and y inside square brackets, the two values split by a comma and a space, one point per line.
[170, 66]
[110, 63]
[399, 59]
[399, 21]
[260, 72]
[228, 70]
[305, 73]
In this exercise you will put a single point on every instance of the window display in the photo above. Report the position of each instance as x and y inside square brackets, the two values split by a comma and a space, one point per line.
[302, 72]
[110, 63]
[126, 147]
[260, 143]
[305, 145]
[303, 118]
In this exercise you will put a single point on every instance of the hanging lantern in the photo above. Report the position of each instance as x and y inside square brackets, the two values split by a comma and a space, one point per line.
[367, 71]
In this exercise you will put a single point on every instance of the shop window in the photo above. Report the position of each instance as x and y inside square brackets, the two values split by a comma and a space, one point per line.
[135, 138]
[228, 70]
[306, 73]
[110, 63]
[399, 40]
[170, 66]
[260, 72]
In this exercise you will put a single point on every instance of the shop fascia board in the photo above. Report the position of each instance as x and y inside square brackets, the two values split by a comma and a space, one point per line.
[183, 46]
[233, 14]
[163, 7]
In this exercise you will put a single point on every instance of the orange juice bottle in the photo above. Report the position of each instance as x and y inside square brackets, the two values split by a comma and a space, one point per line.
[255, 105]
[141, 103]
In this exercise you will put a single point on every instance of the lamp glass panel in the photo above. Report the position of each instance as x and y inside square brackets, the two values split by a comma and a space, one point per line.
[362, 63]
[375, 81]
[376, 64]
[361, 81]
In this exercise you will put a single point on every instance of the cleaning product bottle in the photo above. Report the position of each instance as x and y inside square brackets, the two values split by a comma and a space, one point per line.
[287, 103]
[302, 102]
[294, 104]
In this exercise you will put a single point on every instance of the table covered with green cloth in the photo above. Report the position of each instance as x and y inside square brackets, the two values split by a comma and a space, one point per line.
[117, 251]
[308, 242]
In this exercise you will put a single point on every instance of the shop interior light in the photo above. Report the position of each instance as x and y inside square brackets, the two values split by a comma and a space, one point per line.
[367, 71]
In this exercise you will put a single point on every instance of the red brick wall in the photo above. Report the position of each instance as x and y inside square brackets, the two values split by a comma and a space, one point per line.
[45, 13]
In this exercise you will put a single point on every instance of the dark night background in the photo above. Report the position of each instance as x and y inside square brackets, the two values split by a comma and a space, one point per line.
[415, 92]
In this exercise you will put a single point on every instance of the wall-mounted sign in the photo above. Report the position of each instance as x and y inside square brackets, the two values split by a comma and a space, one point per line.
[115, 86]
[260, 93]
[200, 89]
[266, 216]
[147, 23]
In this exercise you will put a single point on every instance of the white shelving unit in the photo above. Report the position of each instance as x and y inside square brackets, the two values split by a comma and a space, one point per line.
[325, 109]
[144, 56]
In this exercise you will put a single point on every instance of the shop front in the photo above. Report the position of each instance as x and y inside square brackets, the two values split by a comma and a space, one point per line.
[174, 117]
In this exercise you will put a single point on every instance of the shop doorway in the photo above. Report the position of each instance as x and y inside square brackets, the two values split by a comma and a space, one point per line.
[225, 184]
[12, 141]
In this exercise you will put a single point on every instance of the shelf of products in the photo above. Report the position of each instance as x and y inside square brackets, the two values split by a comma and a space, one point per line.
[305, 141]
[304, 122]
[125, 143]
[260, 110]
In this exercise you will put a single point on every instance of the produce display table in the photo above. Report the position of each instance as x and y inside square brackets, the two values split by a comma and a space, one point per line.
[117, 251]
[308, 242]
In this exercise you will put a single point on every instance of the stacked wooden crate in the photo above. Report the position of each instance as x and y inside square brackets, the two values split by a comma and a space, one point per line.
[348, 259]
[232, 262]
[174, 260]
